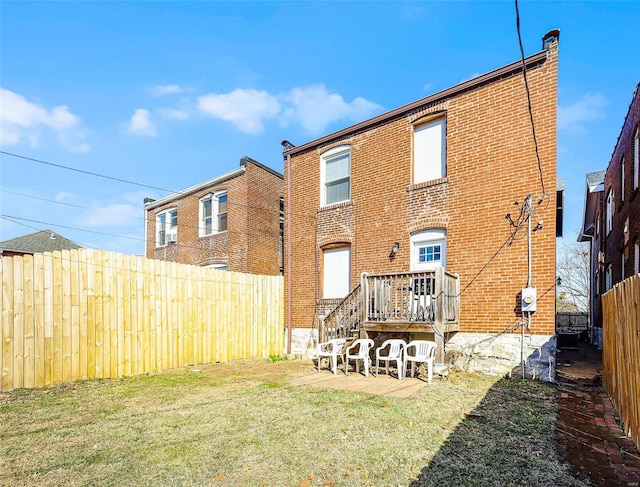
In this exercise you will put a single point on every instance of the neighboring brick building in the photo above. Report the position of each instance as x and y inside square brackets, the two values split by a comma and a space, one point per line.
[439, 177]
[231, 222]
[592, 232]
[612, 219]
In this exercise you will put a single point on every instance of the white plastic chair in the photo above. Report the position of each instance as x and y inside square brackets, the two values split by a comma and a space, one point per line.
[331, 349]
[363, 345]
[424, 351]
[396, 351]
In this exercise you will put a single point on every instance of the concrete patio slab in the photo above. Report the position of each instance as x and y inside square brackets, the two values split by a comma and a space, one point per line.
[382, 385]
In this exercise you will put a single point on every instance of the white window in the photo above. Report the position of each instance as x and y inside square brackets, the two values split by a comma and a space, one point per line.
[609, 213]
[429, 151]
[636, 258]
[636, 156]
[622, 179]
[167, 227]
[336, 272]
[608, 278]
[213, 213]
[335, 175]
[428, 250]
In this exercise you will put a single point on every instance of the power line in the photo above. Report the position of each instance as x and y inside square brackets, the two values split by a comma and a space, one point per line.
[112, 178]
[526, 86]
[9, 219]
[82, 171]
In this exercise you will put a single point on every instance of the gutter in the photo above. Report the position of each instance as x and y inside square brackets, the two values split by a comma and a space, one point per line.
[287, 272]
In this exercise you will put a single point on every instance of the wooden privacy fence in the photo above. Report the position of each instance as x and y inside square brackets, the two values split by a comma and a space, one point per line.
[621, 351]
[85, 314]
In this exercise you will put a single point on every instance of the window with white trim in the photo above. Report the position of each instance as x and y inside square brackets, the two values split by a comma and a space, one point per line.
[213, 213]
[336, 272]
[608, 277]
[622, 265]
[429, 151]
[335, 175]
[428, 250]
[636, 157]
[167, 227]
[609, 213]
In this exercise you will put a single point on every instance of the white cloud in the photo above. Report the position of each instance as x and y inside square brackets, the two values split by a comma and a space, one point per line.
[427, 86]
[22, 121]
[62, 195]
[141, 124]
[588, 108]
[162, 90]
[314, 108]
[173, 113]
[111, 215]
[246, 109]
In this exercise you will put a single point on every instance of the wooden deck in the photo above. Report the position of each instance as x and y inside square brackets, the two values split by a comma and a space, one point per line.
[409, 327]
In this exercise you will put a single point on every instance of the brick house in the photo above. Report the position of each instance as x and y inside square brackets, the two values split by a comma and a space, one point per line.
[231, 222]
[426, 199]
[611, 220]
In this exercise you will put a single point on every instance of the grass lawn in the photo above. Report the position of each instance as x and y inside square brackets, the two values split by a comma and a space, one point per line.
[243, 424]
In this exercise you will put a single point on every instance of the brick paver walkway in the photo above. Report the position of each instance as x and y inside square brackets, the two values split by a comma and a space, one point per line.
[592, 441]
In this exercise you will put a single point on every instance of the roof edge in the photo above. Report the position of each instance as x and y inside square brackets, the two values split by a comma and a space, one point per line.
[192, 189]
[455, 90]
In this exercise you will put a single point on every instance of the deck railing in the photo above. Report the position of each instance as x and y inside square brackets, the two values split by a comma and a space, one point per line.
[345, 319]
[421, 298]
[425, 296]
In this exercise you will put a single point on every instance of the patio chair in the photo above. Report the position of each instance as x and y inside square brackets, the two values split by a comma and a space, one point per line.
[362, 345]
[420, 351]
[331, 349]
[395, 353]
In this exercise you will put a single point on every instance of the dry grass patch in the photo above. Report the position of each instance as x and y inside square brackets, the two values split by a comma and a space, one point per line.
[243, 424]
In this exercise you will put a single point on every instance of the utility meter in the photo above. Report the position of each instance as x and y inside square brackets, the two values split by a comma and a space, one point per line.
[529, 298]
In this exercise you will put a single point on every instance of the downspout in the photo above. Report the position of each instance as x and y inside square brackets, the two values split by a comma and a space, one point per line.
[287, 273]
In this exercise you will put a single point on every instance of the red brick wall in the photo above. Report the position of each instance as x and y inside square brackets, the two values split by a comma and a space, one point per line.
[627, 211]
[251, 242]
[491, 164]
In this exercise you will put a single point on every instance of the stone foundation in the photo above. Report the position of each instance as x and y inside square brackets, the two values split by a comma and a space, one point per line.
[302, 340]
[501, 354]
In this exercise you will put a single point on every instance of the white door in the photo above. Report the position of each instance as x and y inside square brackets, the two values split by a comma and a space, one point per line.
[428, 251]
[336, 272]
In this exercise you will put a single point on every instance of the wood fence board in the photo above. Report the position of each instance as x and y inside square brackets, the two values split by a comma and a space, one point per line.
[6, 379]
[66, 316]
[74, 268]
[29, 373]
[83, 326]
[49, 307]
[38, 318]
[18, 322]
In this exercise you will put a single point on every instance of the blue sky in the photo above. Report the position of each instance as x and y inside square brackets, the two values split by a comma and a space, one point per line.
[170, 94]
